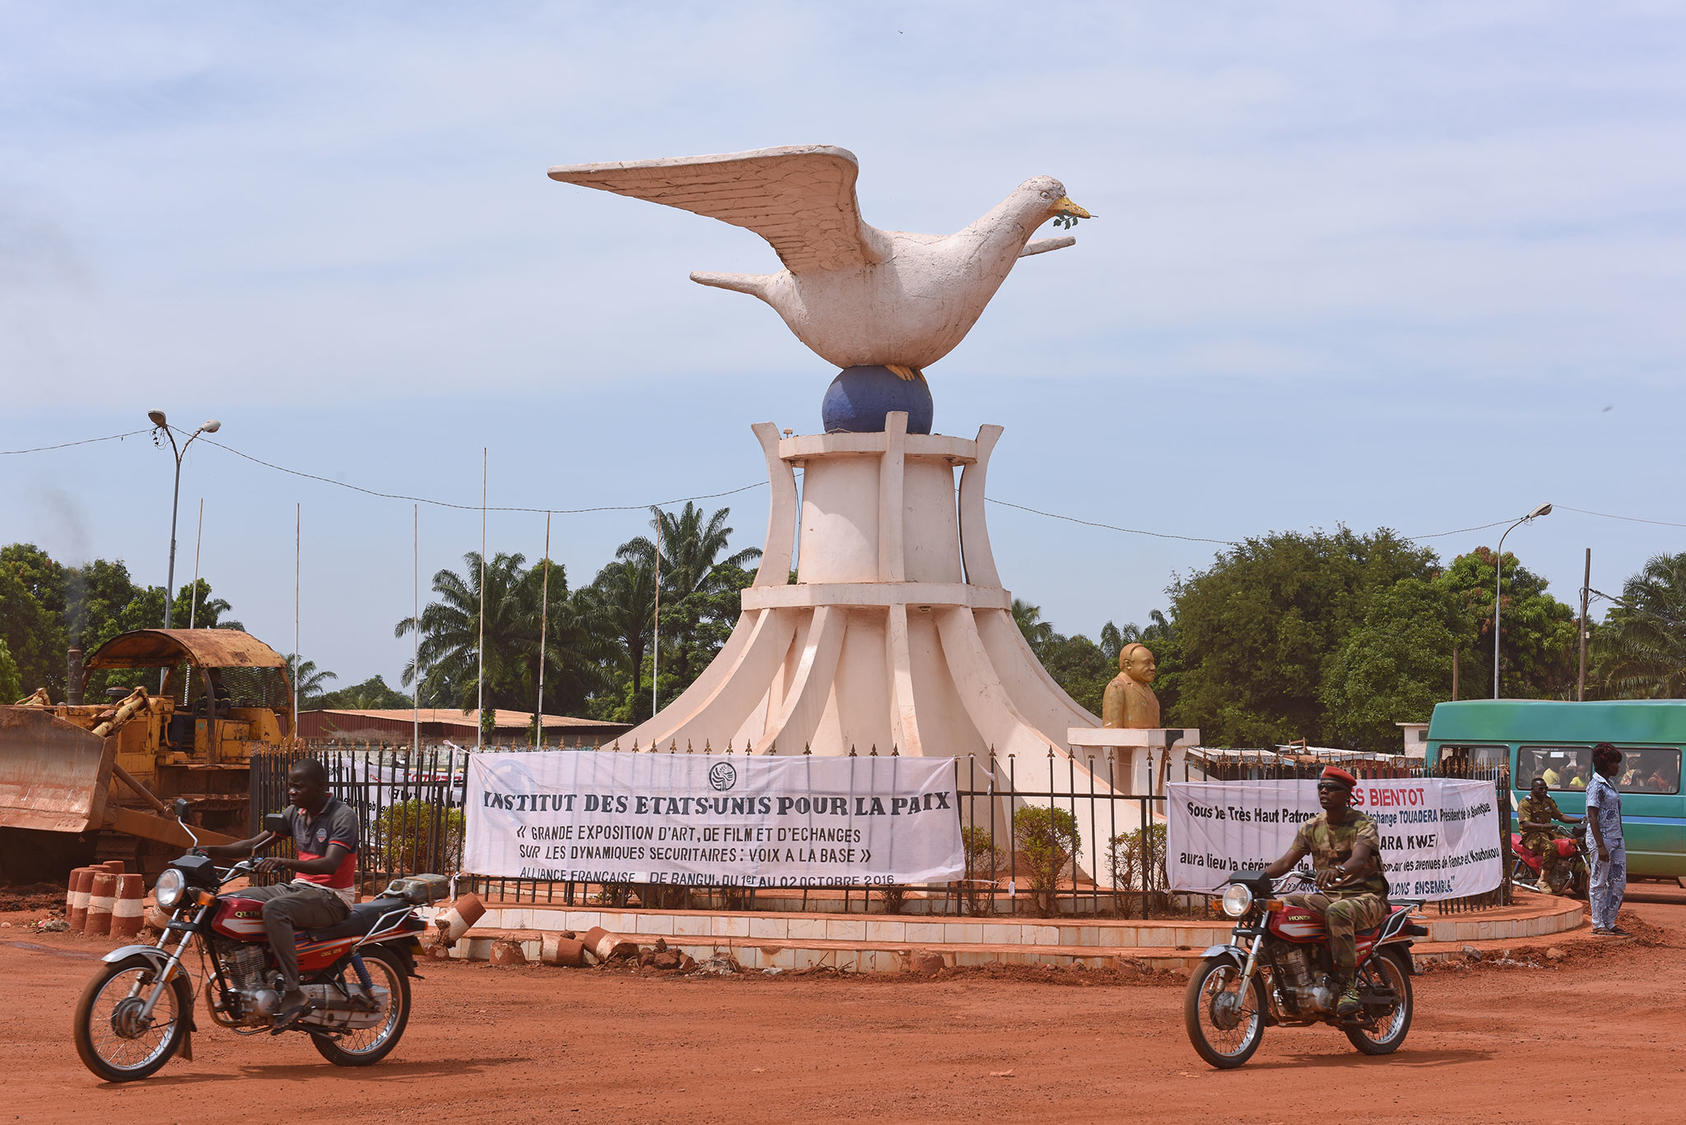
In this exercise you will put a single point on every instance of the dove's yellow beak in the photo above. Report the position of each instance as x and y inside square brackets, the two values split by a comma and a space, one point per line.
[1066, 207]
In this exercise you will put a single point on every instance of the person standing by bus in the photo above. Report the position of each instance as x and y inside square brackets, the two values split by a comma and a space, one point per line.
[1604, 837]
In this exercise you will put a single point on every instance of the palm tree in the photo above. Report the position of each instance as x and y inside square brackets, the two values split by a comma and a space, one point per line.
[620, 603]
[1037, 632]
[694, 579]
[572, 648]
[310, 682]
[1643, 641]
[449, 650]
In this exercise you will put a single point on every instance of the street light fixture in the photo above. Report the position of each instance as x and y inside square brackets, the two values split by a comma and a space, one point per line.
[1498, 584]
[209, 427]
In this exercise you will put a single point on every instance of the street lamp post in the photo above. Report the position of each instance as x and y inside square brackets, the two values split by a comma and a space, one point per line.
[1498, 584]
[209, 427]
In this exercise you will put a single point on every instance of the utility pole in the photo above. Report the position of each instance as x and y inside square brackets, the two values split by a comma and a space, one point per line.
[1586, 591]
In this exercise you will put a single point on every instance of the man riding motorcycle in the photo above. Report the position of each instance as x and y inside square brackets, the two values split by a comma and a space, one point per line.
[1535, 815]
[325, 835]
[1345, 850]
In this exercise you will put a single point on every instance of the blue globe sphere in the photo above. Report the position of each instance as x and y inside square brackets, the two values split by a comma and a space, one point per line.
[860, 397]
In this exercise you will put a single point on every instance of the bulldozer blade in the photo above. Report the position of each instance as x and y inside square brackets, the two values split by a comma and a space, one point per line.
[54, 776]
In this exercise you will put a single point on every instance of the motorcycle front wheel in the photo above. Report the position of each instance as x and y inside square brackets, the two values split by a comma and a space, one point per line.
[112, 1038]
[369, 1045]
[1225, 1024]
[1383, 1032]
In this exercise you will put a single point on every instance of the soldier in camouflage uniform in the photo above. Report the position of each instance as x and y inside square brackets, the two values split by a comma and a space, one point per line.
[1346, 856]
[1535, 814]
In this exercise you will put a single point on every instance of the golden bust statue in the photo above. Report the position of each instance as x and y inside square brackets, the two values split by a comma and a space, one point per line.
[1129, 703]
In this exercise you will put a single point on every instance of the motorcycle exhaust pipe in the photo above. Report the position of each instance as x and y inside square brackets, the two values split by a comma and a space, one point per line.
[337, 1012]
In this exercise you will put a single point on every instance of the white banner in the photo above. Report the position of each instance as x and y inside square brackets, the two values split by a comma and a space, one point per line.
[707, 820]
[1440, 837]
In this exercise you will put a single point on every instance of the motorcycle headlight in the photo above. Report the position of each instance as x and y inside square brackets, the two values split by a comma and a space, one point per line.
[172, 885]
[1237, 900]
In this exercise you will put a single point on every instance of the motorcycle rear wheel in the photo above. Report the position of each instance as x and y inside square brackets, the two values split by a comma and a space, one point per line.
[1387, 969]
[368, 1046]
[109, 1038]
[1215, 986]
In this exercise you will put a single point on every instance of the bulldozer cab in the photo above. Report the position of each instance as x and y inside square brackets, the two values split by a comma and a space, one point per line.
[195, 705]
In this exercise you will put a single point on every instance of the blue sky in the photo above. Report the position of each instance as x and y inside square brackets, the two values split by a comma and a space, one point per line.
[1407, 265]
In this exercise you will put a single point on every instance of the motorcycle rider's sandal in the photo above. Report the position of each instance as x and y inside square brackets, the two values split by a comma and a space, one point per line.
[291, 1014]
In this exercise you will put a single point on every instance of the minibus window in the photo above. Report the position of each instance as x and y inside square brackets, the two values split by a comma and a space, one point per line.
[1651, 770]
[1565, 768]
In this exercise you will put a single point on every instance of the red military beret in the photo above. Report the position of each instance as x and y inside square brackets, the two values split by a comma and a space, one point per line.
[1338, 776]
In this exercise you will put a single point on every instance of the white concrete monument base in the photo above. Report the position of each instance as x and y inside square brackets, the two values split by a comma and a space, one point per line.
[896, 634]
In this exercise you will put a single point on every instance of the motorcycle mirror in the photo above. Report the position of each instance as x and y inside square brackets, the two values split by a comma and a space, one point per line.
[181, 808]
[276, 823]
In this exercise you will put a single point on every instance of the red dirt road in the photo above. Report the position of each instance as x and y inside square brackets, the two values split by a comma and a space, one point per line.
[540, 1044]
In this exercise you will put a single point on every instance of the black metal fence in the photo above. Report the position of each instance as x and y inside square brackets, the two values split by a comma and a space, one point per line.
[1037, 855]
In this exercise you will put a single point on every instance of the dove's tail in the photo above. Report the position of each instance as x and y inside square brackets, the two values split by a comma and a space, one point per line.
[755, 284]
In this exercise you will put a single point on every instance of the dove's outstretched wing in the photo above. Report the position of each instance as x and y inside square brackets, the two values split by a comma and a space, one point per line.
[801, 199]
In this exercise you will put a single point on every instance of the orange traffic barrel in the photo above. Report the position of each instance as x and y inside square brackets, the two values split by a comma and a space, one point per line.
[128, 911]
[76, 902]
[102, 899]
[456, 919]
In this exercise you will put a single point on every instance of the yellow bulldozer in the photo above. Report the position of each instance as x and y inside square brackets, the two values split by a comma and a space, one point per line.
[89, 781]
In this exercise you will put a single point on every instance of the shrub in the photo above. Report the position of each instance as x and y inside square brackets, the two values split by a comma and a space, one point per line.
[1128, 862]
[1046, 838]
[415, 836]
[984, 864]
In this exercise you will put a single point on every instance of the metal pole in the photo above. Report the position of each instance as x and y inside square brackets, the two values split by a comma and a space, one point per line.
[175, 501]
[480, 676]
[1586, 590]
[298, 551]
[415, 628]
[656, 624]
[1498, 583]
[544, 610]
[198, 541]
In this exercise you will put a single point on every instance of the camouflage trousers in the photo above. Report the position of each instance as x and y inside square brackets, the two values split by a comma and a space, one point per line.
[1343, 918]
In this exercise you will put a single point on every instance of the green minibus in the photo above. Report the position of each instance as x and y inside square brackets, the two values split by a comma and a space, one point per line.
[1553, 739]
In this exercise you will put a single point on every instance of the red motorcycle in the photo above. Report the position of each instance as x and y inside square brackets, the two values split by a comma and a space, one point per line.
[1572, 873]
[1277, 970]
[138, 1012]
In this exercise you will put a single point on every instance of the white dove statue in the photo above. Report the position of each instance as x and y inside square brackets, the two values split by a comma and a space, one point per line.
[858, 296]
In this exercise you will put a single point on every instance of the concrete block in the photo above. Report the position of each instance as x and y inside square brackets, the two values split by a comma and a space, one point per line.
[693, 925]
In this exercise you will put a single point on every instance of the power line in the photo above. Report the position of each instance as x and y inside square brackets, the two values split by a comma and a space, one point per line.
[68, 444]
[477, 507]
[1629, 519]
[1459, 531]
[1113, 527]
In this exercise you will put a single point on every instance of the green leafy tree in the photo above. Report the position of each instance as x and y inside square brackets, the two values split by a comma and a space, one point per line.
[1258, 627]
[1539, 649]
[1640, 651]
[32, 632]
[373, 694]
[1395, 666]
[11, 687]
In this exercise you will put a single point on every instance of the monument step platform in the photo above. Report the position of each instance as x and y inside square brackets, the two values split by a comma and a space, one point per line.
[760, 955]
[879, 943]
